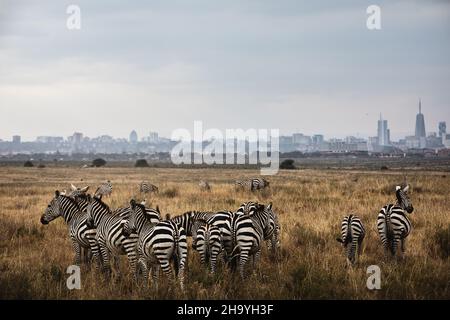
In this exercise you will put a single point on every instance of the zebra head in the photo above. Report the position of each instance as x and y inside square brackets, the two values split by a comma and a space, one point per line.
[53, 209]
[249, 208]
[76, 191]
[401, 192]
[130, 224]
[95, 209]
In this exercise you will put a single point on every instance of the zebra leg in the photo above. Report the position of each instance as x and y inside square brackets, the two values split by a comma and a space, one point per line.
[243, 258]
[106, 266]
[76, 246]
[155, 275]
[141, 270]
[360, 240]
[403, 247]
[166, 268]
[256, 257]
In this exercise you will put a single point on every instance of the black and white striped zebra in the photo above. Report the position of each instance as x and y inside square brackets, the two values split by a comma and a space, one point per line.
[147, 187]
[248, 232]
[82, 237]
[157, 245]
[204, 185]
[392, 223]
[208, 243]
[252, 184]
[109, 232]
[352, 236]
[105, 189]
[272, 230]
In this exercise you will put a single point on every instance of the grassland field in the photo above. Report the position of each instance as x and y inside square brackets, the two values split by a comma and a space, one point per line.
[310, 204]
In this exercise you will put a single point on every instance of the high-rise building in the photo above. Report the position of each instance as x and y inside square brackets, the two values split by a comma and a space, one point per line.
[77, 138]
[16, 139]
[153, 136]
[133, 137]
[420, 123]
[383, 132]
[442, 129]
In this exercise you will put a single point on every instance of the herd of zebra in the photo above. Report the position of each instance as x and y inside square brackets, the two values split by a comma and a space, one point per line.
[393, 226]
[152, 242]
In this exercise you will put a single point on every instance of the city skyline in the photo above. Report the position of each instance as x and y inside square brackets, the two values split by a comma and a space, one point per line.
[300, 67]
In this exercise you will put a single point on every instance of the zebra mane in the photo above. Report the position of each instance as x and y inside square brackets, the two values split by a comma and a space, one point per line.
[72, 200]
[102, 204]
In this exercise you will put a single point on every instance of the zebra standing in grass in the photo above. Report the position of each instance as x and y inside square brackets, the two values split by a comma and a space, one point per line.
[157, 245]
[109, 232]
[105, 189]
[80, 235]
[352, 236]
[252, 184]
[208, 243]
[272, 230]
[147, 187]
[204, 185]
[392, 223]
[248, 232]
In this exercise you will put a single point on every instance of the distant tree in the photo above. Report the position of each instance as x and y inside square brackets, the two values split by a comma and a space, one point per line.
[287, 164]
[141, 163]
[384, 168]
[99, 162]
[41, 165]
[28, 164]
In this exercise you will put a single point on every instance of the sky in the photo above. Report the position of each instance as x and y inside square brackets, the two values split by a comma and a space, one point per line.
[297, 66]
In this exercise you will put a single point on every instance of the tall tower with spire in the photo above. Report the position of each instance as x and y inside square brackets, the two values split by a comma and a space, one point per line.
[383, 132]
[420, 123]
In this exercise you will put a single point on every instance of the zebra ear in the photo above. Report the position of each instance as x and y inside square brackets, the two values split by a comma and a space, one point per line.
[269, 207]
[168, 216]
[85, 189]
[132, 203]
[406, 188]
[397, 188]
[157, 209]
[73, 187]
[57, 193]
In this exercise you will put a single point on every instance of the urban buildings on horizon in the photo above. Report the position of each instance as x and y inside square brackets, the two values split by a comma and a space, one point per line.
[153, 143]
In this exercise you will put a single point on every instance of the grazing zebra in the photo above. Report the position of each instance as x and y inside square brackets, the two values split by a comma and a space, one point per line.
[147, 187]
[252, 184]
[223, 221]
[157, 245]
[392, 223]
[81, 236]
[204, 185]
[352, 232]
[272, 230]
[105, 189]
[109, 231]
[208, 243]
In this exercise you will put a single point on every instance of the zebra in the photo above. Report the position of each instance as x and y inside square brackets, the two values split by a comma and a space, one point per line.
[392, 223]
[204, 185]
[272, 230]
[109, 231]
[146, 187]
[81, 236]
[251, 184]
[157, 245]
[352, 236]
[208, 243]
[105, 189]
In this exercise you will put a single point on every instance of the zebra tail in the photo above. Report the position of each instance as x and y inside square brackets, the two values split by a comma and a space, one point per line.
[176, 253]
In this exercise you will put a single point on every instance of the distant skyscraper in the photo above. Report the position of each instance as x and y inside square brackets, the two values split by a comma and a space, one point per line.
[420, 123]
[153, 136]
[16, 139]
[442, 129]
[383, 132]
[133, 137]
[77, 138]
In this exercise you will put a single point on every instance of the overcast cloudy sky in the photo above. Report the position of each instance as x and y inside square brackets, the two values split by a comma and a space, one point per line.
[299, 66]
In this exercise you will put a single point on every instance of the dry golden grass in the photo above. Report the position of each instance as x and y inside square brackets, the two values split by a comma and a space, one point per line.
[310, 204]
